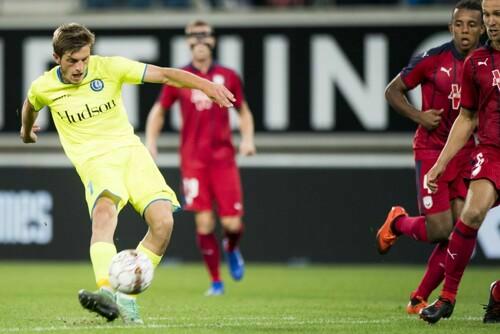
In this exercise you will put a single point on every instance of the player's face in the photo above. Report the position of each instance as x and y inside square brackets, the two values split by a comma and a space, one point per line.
[466, 29]
[74, 65]
[201, 42]
[491, 17]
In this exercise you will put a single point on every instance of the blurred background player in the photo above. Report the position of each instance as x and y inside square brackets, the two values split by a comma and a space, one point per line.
[84, 96]
[210, 175]
[439, 72]
[479, 108]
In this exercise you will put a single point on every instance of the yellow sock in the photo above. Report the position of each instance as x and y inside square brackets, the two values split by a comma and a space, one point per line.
[155, 259]
[101, 254]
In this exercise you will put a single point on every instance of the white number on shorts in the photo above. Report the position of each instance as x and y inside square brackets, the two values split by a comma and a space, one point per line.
[477, 167]
[191, 188]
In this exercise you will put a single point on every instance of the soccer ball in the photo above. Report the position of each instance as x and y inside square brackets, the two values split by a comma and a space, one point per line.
[130, 272]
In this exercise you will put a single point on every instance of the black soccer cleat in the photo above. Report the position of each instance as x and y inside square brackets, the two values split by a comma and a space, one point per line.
[492, 310]
[99, 303]
[441, 308]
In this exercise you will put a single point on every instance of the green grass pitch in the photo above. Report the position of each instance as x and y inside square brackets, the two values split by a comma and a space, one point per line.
[42, 298]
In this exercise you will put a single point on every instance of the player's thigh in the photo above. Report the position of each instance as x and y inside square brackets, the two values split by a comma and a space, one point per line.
[458, 172]
[105, 176]
[145, 183]
[227, 190]
[430, 203]
[196, 189]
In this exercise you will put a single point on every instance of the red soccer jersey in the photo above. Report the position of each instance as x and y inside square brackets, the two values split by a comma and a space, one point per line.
[481, 92]
[206, 132]
[439, 72]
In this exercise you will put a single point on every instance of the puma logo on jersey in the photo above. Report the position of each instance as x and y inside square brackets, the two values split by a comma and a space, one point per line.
[485, 62]
[452, 255]
[446, 70]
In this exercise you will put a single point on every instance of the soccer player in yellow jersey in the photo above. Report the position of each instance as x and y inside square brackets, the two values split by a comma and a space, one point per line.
[84, 96]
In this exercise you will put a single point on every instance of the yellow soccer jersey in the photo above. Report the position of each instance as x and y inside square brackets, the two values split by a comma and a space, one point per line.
[90, 117]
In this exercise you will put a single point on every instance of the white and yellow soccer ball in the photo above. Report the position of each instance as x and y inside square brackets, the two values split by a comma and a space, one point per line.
[130, 272]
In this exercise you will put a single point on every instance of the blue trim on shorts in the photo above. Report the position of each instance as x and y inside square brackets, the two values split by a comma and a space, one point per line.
[100, 195]
[174, 207]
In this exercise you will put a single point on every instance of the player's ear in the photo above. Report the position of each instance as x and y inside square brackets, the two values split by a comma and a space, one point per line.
[56, 58]
[450, 28]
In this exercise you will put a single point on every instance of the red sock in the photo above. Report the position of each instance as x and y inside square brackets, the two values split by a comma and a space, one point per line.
[210, 251]
[496, 291]
[414, 227]
[434, 274]
[460, 248]
[232, 239]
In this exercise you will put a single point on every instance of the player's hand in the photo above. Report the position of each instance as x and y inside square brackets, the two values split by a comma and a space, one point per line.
[430, 119]
[247, 148]
[31, 136]
[431, 178]
[220, 94]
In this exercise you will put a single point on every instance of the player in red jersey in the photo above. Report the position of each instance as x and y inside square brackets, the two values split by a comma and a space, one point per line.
[479, 109]
[439, 72]
[209, 172]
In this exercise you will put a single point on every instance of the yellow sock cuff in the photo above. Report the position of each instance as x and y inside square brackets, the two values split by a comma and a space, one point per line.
[101, 254]
[155, 259]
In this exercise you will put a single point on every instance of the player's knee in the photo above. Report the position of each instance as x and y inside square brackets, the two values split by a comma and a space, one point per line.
[440, 233]
[473, 217]
[161, 227]
[231, 224]
[103, 213]
[439, 227]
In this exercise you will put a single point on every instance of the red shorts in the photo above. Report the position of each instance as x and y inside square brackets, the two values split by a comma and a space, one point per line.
[451, 185]
[486, 165]
[212, 187]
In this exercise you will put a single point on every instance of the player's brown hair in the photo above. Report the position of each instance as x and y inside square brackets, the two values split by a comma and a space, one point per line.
[198, 23]
[71, 37]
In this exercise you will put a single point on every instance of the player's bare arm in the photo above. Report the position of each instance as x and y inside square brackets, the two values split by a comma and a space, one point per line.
[395, 93]
[462, 129]
[28, 127]
[154, 124]
[180, 78]
[247, 144]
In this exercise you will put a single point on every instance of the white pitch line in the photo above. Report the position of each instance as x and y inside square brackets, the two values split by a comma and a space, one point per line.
[236, 322]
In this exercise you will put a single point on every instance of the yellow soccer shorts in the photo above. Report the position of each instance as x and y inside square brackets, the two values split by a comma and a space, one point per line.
[128, 174]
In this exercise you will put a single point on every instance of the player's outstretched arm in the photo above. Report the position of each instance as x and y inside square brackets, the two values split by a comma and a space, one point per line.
[460, 132]
[154, 124]
[247, 145]
[395, 94]
[28, 127]
[180, 78]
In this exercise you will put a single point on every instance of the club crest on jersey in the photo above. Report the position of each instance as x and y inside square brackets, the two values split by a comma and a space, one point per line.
[427, 200]
[96, 85]
[496, 78]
